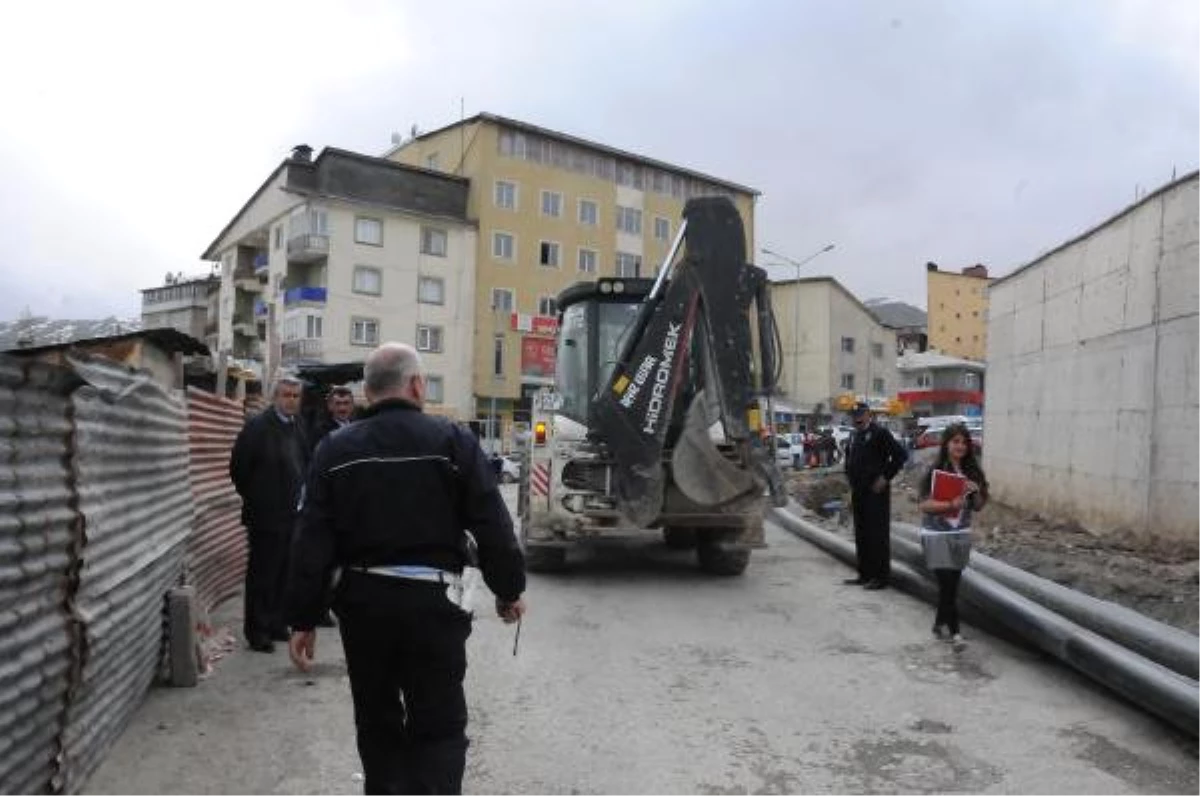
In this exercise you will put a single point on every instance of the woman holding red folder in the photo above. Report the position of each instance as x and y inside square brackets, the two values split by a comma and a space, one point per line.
[953, 489]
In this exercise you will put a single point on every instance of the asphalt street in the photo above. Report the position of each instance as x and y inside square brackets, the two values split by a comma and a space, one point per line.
[636, 673]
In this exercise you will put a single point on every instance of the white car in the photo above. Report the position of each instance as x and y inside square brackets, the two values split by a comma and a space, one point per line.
[783, 452]
[510, 469]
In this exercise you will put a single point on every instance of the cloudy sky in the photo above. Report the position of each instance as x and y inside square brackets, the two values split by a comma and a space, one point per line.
[959, 131]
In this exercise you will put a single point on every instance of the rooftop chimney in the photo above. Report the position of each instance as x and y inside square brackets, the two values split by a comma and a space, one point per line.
[930, 266]
[302, 153]
[977, 269]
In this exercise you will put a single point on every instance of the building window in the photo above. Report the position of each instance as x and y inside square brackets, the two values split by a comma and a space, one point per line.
[548, 254]
[502, 246]
[970, 381]
[974, 313]
[662, 229]
[958, 316]
[547, 306]
[433, 241]
[589, 212]
[847, 381]
[848, 345]
[628, 265]
[958, 339]
[502, 299]
[629, 219]
[552, 204]
[429, 338]
[498, 355]
[506, 194]
[278, 235]
[367, 280]
[431, 290]
[368, 231]
[587, 261]
[878, 386]
[431, 162]
[435, 390]
[364, 331]
[877, 350]
[924, 381]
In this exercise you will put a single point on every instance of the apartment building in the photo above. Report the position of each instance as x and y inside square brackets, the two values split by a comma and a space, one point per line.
[834, 350]
[552, 210]
[332, 256]
[187, 305]
[957, 305]
[934, 384]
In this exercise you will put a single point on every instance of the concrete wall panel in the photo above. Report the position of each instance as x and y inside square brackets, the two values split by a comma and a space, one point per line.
[1093, 406]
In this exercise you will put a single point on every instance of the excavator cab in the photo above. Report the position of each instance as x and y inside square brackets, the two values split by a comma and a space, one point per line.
[655, 418]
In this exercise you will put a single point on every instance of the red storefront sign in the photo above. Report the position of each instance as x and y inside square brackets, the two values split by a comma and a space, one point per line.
[973, 397]
[538, 324]
[537, 356]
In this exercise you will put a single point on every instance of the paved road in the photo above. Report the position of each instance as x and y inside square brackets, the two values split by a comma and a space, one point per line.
[637, 674]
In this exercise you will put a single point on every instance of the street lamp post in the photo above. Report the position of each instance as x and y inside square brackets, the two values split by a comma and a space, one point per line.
[796, 352]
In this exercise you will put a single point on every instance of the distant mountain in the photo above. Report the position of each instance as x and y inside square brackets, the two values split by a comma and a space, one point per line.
[37, 332]
[896, 314]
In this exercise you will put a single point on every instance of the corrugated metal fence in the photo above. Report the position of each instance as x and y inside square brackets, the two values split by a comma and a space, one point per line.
[217, 548]
[101, 505]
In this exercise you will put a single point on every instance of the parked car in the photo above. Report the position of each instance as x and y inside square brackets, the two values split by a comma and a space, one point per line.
[507, 467]
[933, 439]
[783, 451]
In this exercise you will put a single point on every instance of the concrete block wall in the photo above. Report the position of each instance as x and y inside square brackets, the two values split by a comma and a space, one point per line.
[1092, 410]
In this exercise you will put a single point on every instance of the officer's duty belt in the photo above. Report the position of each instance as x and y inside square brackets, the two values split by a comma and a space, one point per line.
[409, 572]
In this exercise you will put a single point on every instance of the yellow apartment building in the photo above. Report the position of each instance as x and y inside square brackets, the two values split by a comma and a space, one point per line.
[551, 210]
[957, 306]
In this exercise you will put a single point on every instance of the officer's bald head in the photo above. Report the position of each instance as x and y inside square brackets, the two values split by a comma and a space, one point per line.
[394, 371]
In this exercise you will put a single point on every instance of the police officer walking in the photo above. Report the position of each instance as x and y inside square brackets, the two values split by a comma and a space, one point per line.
[872, 461]
[388, 499]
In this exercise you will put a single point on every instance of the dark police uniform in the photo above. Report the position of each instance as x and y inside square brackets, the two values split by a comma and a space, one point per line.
[267, 467]
[873, 452]
[388, 499]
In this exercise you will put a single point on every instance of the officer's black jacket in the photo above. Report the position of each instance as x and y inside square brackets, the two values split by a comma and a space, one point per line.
[873, 452]
[399, 487]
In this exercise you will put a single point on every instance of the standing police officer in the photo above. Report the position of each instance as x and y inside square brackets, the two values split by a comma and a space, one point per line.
[872, 461]
[388, 500]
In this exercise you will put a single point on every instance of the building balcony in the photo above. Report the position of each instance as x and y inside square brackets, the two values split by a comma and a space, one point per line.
[304, 295]
[308, 248]
[300, 350]
[246, 328]
[248, 284]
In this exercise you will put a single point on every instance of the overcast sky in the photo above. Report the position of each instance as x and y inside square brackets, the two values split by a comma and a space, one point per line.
[959, 131]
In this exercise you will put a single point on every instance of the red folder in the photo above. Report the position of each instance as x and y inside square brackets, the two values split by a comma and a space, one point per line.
[947, 486]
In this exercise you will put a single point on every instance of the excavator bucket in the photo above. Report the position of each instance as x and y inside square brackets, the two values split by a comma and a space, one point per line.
[701, 472]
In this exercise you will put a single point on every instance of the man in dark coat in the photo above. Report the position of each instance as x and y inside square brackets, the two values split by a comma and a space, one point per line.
[872, 461]
[267, 467]
[339, 406]
[388, 500]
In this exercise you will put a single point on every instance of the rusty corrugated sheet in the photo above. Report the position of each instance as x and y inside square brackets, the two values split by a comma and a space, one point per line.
[38, 535]
[130, 461]
[216, 558]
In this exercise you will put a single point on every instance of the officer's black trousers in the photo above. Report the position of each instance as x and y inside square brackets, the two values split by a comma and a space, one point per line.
[872, 533]
[405, 645]
[266, 579]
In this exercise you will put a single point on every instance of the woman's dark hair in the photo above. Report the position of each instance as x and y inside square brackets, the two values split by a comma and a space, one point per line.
[970, 465]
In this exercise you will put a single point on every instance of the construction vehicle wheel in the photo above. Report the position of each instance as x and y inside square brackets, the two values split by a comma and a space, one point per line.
[718, 559]
[545, 559]
[679, 538]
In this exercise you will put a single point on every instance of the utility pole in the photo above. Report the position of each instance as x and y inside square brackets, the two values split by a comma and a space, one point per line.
[796, 351]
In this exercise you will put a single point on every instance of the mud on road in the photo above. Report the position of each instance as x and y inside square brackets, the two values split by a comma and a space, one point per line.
[1159, 580]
